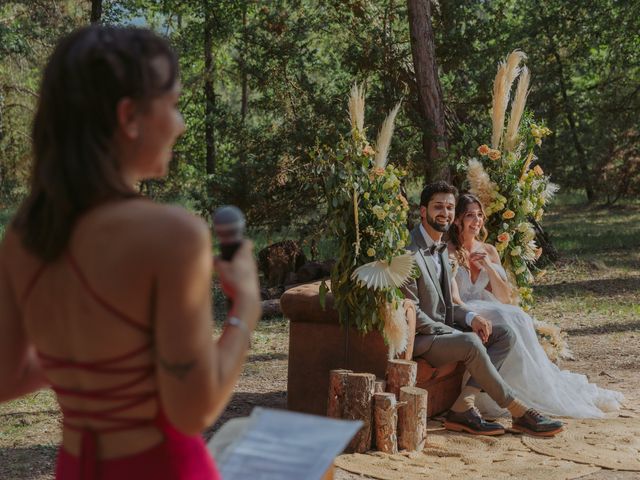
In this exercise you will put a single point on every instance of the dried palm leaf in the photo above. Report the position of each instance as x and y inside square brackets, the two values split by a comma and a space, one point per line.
[381, 275]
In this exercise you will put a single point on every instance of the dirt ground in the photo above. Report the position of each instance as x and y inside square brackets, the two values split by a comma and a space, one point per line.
[603, 329]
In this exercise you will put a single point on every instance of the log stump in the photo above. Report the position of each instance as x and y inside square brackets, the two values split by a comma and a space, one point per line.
[412, 421]
[401, 373]
[386, 421]
[335, 402]
[358, 402]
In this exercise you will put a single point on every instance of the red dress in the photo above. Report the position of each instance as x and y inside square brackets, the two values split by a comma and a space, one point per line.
[178, 456]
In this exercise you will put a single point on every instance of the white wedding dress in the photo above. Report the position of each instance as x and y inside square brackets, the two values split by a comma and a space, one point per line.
[532, 376]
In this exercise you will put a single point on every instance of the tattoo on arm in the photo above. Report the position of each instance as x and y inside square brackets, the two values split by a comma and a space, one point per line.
[177, 369]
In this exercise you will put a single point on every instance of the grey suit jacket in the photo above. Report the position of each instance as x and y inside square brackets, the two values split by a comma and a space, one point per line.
[436, 314]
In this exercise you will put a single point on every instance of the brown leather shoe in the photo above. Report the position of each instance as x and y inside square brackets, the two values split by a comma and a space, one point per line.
[536, 424]
[472, 422]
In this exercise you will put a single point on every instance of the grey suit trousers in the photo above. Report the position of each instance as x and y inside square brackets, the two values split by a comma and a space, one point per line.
[482, 361]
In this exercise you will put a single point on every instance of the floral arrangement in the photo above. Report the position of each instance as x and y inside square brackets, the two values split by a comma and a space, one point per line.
[367, 214]
[513, 191]
[553, 341]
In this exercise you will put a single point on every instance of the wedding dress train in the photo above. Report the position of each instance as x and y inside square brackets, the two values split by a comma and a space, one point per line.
[533, 377]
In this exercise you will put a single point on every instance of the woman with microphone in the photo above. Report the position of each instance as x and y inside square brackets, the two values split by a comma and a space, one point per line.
[104, 294]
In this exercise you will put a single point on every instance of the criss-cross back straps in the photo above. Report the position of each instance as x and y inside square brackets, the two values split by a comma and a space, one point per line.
[98, 298]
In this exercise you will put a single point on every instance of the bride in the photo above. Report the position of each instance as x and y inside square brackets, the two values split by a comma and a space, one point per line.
[482, 286]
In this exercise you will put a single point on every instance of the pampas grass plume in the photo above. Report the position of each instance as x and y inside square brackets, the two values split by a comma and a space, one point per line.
[356, 108]
[507, 72]
[384, 137]
[396, 329]
[481, 185]
[517, 109]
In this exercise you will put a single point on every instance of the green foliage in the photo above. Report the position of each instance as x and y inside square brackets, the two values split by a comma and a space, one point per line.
[296, 58]
[367, 215]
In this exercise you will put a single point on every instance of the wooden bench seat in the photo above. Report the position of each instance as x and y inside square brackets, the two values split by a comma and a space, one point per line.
[318, 344]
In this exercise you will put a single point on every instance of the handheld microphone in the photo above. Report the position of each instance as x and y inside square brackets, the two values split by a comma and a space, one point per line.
[229, 224]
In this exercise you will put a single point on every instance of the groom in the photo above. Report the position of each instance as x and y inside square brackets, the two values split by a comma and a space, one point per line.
[447, 333]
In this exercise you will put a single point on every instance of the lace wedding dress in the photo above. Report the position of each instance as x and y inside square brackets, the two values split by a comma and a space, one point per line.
[533, 377]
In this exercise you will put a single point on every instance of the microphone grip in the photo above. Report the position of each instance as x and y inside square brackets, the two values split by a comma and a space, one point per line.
[227, 250]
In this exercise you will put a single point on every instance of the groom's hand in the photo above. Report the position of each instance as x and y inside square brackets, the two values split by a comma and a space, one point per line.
[482, 327]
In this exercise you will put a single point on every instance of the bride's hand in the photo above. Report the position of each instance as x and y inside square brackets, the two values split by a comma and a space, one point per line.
[479, 259]
[482, 327]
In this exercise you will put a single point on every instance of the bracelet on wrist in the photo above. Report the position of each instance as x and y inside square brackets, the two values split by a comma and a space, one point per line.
[238, 323]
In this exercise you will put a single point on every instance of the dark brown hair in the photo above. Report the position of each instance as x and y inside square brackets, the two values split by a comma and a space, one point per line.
[75, 165]
[436, 187]
[454, 234]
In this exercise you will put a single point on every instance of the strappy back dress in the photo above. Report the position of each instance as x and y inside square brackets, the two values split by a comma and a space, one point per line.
[178, 456]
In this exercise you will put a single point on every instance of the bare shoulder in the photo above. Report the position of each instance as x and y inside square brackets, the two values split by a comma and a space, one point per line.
[148, 230]
[169, 225]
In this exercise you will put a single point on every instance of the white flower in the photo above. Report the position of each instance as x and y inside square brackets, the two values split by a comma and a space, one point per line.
[527, 206]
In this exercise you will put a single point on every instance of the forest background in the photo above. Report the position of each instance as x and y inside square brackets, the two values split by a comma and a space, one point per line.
[264, 82]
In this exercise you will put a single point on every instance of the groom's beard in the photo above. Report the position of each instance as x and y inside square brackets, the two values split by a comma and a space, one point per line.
[438, 227]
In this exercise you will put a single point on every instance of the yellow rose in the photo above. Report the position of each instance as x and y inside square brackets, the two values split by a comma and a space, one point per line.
[366, 195]
[508, 214]
[494, 154]
[538, 170]
[516, 251]
[379, 212]
[371, 252]
[483, 149]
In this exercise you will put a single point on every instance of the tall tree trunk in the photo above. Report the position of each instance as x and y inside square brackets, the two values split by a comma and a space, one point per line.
[244, 106]
[96, 11]
[430, 103]
[209, 92]
[568, 110]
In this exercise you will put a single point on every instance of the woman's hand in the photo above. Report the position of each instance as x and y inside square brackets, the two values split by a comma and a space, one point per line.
[479, 259]
[239, 281]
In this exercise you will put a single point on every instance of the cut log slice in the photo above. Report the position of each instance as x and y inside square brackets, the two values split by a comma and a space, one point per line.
[401, 373]
[358, 405]
[335, 402]
[386, 421]
[412, 419]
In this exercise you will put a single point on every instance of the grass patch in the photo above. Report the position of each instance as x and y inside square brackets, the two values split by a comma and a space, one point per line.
[583, 230]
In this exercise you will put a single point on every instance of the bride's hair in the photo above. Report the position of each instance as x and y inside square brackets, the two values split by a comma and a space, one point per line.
[462, 255]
